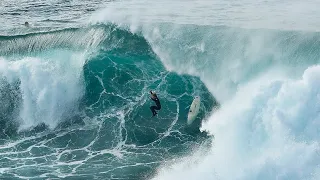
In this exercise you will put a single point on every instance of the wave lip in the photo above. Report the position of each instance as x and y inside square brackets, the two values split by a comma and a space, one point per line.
[73, 38]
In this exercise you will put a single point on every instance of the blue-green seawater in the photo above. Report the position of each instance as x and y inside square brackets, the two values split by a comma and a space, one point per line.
[74, 89]
[109, 131]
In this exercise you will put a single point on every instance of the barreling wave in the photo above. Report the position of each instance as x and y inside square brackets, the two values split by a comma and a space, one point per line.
[258, 75]
[109, 120]
[77, 105]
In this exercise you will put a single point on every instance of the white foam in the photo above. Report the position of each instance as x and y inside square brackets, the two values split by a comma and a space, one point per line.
[50, 86]
[269, 130]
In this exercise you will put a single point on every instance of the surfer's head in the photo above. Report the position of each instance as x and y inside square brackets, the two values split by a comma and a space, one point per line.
[153, 94]
[26, 24]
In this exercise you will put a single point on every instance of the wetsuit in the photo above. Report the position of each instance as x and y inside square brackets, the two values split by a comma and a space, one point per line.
[157, 107]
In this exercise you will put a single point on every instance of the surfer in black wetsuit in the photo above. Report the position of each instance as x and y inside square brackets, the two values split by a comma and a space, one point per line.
[154, 97]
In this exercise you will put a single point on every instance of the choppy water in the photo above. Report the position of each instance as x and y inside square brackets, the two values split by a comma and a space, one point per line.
[74, 89]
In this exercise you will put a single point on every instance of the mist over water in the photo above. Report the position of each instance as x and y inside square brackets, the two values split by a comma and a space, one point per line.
[271, 132]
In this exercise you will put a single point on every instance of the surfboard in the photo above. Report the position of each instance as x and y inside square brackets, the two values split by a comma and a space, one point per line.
[194, 110]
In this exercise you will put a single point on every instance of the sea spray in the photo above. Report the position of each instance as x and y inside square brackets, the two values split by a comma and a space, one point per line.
[49, 88]
[268, 133]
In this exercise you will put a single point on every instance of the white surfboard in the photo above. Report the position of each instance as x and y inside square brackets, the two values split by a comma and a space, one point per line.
[194, 110]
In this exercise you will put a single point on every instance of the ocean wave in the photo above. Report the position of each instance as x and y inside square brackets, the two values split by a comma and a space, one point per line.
[78, 106]
[107, 83]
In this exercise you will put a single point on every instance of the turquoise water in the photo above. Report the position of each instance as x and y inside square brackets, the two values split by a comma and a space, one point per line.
[74, 89]
[91, 119]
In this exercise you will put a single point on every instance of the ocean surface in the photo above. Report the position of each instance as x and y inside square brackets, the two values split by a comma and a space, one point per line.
[74, 89]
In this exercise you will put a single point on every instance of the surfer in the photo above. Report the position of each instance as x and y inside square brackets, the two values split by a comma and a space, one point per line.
[26, 24]
[154, 97]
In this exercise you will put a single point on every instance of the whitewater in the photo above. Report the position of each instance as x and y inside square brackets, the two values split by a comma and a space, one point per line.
[74, 89]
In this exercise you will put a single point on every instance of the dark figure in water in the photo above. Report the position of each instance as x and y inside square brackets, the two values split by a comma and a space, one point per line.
[157, 101]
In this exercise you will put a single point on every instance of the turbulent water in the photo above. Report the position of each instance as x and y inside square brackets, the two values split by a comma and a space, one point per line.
[74, 90]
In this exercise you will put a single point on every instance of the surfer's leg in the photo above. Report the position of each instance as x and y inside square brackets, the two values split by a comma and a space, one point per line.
[153, 110]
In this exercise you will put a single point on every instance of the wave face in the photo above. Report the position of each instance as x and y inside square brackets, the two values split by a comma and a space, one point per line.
[76, 105]
[266, 82]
